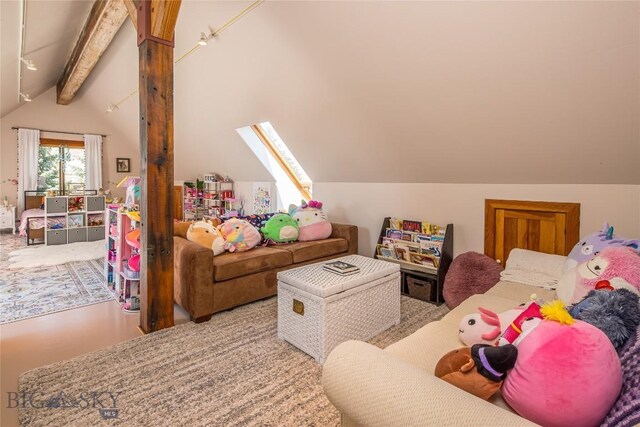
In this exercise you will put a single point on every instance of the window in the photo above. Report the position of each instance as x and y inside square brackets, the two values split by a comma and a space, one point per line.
[292, 181]
[61, 166]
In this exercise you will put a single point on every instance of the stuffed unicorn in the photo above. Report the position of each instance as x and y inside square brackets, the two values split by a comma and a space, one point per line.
[613, 268]
[313, 223]
[594, 243]
[239, 235]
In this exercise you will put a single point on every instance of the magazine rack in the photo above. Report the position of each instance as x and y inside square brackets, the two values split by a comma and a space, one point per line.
[419, 281]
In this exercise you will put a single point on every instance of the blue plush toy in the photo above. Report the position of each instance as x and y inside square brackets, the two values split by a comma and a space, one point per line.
[616, 313]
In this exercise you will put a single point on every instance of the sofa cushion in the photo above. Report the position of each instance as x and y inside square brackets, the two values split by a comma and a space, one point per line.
[180, 228]
[307, 251]
[231, 265]
[520, 292]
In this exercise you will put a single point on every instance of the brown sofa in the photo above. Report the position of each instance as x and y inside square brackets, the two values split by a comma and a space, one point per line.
[204, 284]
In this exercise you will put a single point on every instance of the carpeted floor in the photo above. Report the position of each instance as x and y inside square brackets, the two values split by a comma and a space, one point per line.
[230, 371]
[30, 292]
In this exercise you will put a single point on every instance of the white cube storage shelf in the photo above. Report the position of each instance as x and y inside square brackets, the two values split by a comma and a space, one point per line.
[58, 207]
[317, 309]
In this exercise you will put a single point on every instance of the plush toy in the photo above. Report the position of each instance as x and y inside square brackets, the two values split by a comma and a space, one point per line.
[512, 332]
[616, 313]
[567, 372]
[594, 243]
[313, 223]
[281, 228]
[206, 234]
[478, 370]
[613, 268]
[486, 326]
[258, 221]
[239, 235]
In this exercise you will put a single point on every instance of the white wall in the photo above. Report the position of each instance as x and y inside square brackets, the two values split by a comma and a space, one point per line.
[366, 205]
[244, 191]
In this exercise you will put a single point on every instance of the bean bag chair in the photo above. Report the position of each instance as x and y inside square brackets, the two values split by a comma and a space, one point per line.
[470, 273]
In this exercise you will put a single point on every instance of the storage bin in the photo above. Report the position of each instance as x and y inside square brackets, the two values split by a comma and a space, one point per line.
[422, 289]
[317, 309]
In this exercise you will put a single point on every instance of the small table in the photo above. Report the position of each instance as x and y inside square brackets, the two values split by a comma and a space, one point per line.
[318, 309]
[8, 217]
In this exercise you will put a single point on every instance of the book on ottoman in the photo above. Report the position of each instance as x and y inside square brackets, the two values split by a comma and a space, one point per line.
[341, 267]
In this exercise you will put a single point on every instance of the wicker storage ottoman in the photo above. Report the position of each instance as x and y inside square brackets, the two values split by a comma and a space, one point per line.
[317, 309]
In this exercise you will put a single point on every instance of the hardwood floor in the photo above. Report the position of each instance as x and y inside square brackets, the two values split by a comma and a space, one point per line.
[39, 341]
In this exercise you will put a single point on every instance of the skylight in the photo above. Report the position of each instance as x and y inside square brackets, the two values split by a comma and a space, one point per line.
[292, 181]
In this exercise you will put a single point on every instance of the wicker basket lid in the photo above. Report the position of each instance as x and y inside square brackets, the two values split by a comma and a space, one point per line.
[315, 280]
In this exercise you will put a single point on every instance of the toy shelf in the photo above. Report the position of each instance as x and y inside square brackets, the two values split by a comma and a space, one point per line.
[123, 282]
[70, 215]
[208, 198]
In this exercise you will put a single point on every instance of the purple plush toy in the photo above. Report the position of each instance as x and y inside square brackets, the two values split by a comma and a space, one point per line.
[594, 243]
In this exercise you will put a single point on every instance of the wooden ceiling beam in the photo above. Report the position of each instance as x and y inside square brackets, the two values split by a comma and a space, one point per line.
[104, 21]
[164, 15]
[132, 8]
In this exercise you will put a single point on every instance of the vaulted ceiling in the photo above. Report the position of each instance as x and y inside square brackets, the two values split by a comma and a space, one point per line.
[52, 28]
[489, 92]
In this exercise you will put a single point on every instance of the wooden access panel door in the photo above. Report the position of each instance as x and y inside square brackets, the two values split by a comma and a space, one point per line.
[549, 227]
[177, 202]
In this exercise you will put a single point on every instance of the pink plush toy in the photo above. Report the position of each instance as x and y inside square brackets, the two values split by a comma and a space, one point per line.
[613, 268]
[313, 223]
[514, 329]
[565, 375]
[239, 235]
[486, 326]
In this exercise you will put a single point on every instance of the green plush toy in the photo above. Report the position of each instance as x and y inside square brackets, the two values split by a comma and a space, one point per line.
[281, 228]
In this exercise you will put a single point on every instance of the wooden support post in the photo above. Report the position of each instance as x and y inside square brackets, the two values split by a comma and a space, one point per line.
[156, 196]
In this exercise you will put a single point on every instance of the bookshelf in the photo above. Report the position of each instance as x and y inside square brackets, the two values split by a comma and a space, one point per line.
[424, 260]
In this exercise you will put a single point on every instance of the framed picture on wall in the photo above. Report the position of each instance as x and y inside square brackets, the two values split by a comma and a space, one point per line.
[123, 164]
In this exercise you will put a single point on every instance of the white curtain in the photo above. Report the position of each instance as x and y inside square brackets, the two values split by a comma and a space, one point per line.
[93, 162]
[28, 146]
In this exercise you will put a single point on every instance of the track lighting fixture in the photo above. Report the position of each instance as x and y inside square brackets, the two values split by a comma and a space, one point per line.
[30, 64]
[25, 97]
[203, 40]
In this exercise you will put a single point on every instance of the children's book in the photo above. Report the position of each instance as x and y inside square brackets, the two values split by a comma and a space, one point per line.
[341, 267]
[394, 234]
[433, 248]
[411, 226]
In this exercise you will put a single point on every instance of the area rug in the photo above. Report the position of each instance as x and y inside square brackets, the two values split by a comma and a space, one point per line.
[33, 292]
[41, 255]
[230, 371]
